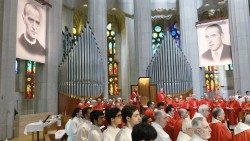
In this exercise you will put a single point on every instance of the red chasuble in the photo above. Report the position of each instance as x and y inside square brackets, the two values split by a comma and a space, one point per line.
[160, 97]
[169, 128]
[219, 132]
[149, 113]
[193, 106]
[177, 128]
[241, 132]
[233, 112]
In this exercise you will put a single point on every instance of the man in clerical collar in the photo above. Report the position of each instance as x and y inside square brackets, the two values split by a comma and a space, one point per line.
[202, 131]
[32, 18]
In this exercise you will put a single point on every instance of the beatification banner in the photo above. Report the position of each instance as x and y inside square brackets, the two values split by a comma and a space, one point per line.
[31, 31]
[214, 43]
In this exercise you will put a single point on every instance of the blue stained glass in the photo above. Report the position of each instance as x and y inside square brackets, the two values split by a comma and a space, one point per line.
[173, 33]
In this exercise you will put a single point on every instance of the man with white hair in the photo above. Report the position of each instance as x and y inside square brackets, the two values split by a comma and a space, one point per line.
[160, 122]
[178, 125]
[208, 102]
[202, 131]
[187, 130]
[203, 111]
[219, 131]
[242, 130]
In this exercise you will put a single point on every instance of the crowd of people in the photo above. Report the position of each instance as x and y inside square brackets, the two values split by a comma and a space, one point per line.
[170, 119]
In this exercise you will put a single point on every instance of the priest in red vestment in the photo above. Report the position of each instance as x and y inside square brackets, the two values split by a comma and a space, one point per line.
[219, 131]
[178, 125]
[169, 128]
[233, 109]
[193, 105]
[242, 130]
[160, 96]
[169, 100]
[150, 109]
[134, 98]
[209, 103]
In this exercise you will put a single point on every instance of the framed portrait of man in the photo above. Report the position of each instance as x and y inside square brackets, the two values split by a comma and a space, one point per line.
[214, 43]
[31, 31]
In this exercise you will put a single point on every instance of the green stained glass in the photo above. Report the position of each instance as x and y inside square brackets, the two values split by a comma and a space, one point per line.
[112, 33]
[107, 33]
[109, 26]
[157, 28]
[161, 35]
[155, 35]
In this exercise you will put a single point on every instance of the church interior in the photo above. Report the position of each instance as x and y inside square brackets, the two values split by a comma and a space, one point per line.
[115, 53]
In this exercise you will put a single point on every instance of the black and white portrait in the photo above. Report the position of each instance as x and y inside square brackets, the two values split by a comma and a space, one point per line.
[214, 43]
[31, 28]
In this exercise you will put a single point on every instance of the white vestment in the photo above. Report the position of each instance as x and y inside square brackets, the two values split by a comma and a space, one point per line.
[183, 137]
[124, 134]
[71, 128]
[95, 134]
[196, 138]
[161, 134]
[110, 133]
[83, 131]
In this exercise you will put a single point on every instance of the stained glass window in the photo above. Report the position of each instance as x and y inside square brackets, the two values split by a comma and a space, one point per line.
[113, 70]
[157, 36]
[175, 33]
[211, 79]
[17, 63]
[30, 83]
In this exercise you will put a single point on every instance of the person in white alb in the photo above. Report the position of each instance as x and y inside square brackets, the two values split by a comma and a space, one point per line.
[131, 117]
[84, 128]
[159, 123]
[73, 124]
[187, 130]
[97, 119]
[202, 130]
[242, 130]
[203, 111]
[114, 118]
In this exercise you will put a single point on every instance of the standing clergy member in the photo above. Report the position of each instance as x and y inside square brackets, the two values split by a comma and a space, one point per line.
[187, 130]
[242, 130]
[97, 118]
[219, 131]
[114, 118]
[160, 122]
[233, 109]
[160, 96]
[202, 131]
[131, 117]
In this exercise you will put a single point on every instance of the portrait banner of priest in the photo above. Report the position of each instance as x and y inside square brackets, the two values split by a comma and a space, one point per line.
[31, 31]
[214, 43]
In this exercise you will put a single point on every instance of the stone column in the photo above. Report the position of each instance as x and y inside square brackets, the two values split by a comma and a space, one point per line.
[189, 41]
[47, 74]
[143, 36]
[239, 23]
[97, 16]
[127, 57]
[223, 82]
[8, 20]
[54, 44]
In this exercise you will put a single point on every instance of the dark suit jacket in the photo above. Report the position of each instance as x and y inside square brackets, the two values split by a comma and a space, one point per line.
[36, 49]
[225, 54]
